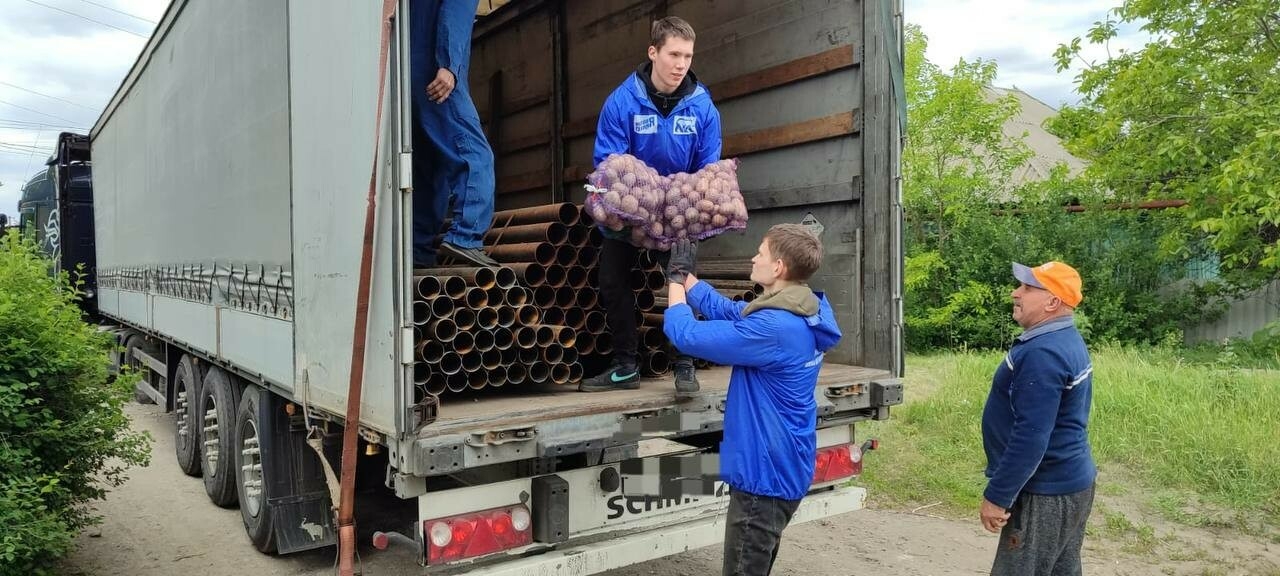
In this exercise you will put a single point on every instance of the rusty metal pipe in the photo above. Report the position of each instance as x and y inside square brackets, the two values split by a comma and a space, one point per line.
[604, 343]
[490, 359]
[555, 275]
[564, 213]
[477, 380]
[652, 337]
[597, 322]
[527, 315]
[421, 312]
[644, 300]
[472, 361]
[595, 237]
[487, 318]
[515, 374]
[441, 306]
[475, 297]
[442, 329]
[586, 344]
[485, 340]
[570, 355]
[529, 355]
[724, 269]
[552, 354]
[576, 277]
[450, 363]
[510, 356]
[587, 298]
[566, 254]
[503, 339]
[657, 362]
[465, 318]
[438, 383]
[526, 337]
[506, 316]
[655, 280]
[577, 235]
[481, 277]
[544, 296]
[560, 373]
[553, 232]
[457, 382]
[538, 372]
[517, 296]
[650, 319]
[464, 342]
[453, 286]
[421, 373]
[575, 318]
[575, 373]
[588, 256]
[426, 286]
[564, 335]
[543, 253]
[430, 351]
[546, 334]
[530, 273]
[495, 296]
[566, 296]
[497, 376]
[743, 285]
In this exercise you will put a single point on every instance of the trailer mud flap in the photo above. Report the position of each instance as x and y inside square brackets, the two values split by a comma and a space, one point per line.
[303, 523]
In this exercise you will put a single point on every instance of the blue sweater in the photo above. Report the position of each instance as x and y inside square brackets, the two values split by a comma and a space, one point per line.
[1035, 426]
[770, 416]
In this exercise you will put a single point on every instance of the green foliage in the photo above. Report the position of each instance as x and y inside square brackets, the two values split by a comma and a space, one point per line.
[1204, 433]
[63, 436]
[1194, 115]
[967, 221]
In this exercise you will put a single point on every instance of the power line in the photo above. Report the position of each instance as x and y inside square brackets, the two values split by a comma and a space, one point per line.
[82, 17]
[46, 95]
[36, 111]
[119, 11]
[11, 124]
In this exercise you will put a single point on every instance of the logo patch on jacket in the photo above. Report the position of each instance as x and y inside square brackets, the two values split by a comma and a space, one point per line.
[645, 124]
[685, 125]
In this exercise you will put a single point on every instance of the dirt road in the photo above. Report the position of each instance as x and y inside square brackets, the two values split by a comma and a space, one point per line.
[161, 522]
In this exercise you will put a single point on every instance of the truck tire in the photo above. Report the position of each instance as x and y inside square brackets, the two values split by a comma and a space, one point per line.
[135, 368]
[252, 430]
[219, 397]
[186, 431]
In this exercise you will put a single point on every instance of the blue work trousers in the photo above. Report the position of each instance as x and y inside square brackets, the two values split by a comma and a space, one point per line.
[452, 160]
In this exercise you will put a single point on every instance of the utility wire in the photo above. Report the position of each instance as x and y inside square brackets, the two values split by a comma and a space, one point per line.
[135, 17]
[28, 90]
[36, 111]
[83, 17]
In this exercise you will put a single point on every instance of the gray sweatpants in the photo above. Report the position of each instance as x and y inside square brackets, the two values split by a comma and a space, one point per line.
[1043, 535]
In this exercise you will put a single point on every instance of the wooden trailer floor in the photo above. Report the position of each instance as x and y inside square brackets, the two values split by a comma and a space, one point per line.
[523, 404]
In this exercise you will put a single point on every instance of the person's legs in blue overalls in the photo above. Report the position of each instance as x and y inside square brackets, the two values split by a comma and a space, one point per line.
[452, 158]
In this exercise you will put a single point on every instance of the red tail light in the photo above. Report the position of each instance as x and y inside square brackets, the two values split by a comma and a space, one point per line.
[477, 534]
[836, 462]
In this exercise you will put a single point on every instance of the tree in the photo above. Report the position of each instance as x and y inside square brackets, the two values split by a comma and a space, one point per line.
[1194, 115]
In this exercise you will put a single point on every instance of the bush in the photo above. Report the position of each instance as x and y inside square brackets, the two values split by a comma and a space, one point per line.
[64, 439]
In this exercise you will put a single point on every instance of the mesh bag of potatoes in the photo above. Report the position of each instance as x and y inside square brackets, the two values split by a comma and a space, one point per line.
[625, 192]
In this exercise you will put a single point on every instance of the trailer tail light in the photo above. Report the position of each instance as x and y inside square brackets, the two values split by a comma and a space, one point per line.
[837, 462]
[477, 533]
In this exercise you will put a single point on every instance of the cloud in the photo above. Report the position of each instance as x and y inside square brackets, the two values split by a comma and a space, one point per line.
[49, 58]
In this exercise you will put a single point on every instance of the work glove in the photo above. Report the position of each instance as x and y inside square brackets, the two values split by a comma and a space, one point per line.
[684, 256]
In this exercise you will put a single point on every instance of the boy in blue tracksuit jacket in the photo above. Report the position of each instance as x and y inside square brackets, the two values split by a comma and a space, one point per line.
[1035, 431]
[663, 116]
[775, 345]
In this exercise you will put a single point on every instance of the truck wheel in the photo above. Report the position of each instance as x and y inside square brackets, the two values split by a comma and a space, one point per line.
[219, 397]
[252, 431]
[135, 368]
[186, 432]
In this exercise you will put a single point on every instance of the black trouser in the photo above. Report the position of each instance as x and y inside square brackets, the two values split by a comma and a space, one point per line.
[617, 258]
[753, 532]
[1043, 535]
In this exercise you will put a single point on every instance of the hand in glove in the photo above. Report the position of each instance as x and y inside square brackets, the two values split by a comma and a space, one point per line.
[684, 256]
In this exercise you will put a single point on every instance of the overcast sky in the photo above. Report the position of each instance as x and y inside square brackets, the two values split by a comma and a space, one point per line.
[61, 60]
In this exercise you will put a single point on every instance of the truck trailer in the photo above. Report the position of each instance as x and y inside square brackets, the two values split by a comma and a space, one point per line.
[229, 180]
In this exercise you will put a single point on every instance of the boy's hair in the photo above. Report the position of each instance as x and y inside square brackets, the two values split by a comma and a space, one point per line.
[669, 27]
[797, 247]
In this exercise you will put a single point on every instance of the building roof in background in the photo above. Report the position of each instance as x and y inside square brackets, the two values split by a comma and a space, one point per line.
[1029, 123]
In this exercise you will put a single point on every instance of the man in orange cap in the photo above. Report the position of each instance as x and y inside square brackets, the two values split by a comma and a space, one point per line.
[1035, 431]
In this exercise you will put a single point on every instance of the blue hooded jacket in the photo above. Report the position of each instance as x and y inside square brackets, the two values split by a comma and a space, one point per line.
[775, 346]
[683, 141]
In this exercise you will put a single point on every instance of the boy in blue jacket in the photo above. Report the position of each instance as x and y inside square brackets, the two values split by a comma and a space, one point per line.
[775, 345]
[663, 116]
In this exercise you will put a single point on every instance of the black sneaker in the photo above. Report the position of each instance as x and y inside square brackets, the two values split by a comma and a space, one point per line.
[686, 381]
[617, 377]
[472, 256]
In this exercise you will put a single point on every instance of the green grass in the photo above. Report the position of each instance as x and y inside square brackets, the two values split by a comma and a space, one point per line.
[1193, 437]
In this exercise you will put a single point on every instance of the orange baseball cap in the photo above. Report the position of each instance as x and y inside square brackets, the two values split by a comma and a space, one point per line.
[1058, 278]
